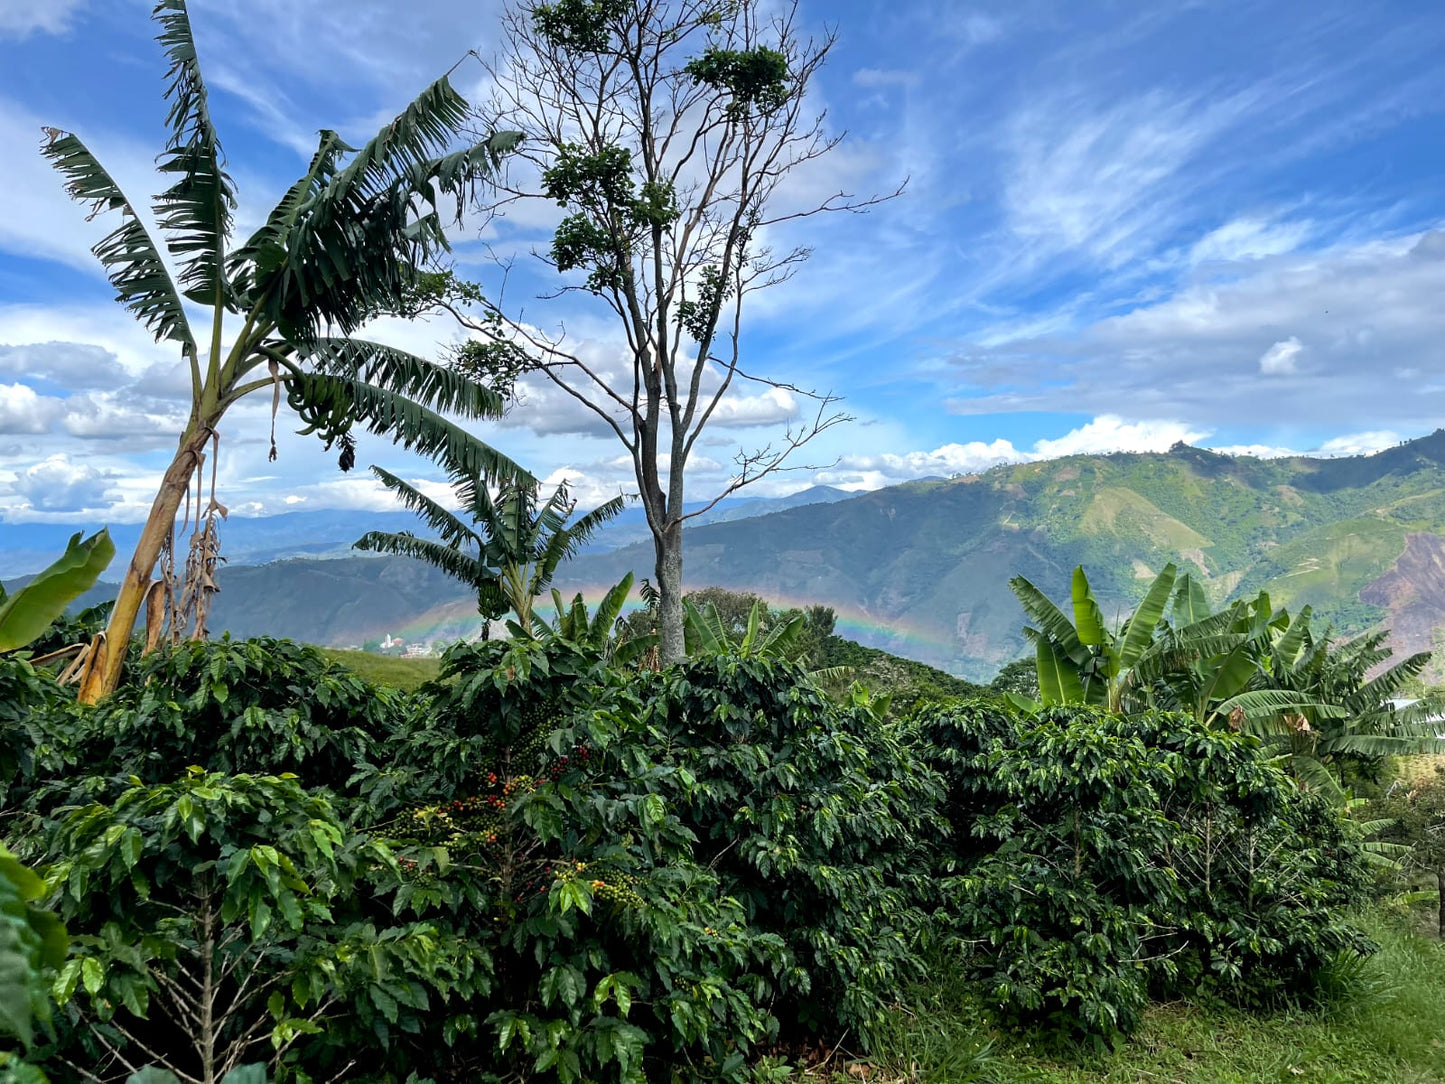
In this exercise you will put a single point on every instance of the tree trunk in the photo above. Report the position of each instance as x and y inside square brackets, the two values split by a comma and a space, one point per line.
[102, 671]
[1440, 920]
[668, 547]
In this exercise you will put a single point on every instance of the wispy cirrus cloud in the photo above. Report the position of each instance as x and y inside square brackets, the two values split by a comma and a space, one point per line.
[22, 18]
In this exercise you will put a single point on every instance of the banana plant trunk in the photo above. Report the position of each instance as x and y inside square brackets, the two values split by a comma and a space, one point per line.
[102, 671]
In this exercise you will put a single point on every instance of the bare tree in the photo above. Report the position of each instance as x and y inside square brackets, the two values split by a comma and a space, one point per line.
[667, 131]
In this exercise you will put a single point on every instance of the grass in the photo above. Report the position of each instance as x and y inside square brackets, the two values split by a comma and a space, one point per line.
[385, 669]
[1387, 1028]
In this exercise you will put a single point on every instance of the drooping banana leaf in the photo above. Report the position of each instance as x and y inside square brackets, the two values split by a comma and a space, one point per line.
[28, 612]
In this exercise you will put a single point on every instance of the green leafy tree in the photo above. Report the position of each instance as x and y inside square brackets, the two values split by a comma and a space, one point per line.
[1360, 724]
[215, 922]
[343, 246]
[664, 131]
[1414, 816]
[1101, 861]
[1249, 667]
[1020, 677]
[510, 550]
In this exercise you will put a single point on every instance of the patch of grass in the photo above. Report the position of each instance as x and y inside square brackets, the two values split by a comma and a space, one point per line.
[1387, 1026]
[385, 669]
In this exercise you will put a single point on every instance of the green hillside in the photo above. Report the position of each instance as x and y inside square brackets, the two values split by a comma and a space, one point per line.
[921, 570]
[930, 560]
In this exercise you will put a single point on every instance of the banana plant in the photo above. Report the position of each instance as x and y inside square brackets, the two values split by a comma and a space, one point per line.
[1081, 660]
[1363, 723]
[506, 545]
[604, 631]
[708, 634]
[282, 310]
[28, 612]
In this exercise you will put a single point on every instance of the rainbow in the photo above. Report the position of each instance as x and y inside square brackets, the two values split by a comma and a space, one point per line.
[455, 621]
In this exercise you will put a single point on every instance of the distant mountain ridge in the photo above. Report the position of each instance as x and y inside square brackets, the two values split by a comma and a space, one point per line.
[922, 569]
[28, 547]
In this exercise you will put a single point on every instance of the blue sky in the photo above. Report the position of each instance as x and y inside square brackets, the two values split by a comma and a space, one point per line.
[1125, 224]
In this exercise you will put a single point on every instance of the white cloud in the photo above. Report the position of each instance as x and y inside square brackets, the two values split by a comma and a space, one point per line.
[1249, 239]
[58, 485]
[23, 411]
[1360, 443]
[770, 407]
[1106, 433]
[68, 364]
[104, 416]
[1098, 178]
[1279, 359]
[1110, 433]
[1256, 451]
[1367, 316]
[21, 18]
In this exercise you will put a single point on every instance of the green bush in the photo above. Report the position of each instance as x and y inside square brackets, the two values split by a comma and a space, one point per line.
[616, 954]
[541, 868]
[819, 817]
[216, 921]
[262, 707]
[1111, 860]
[27, 697]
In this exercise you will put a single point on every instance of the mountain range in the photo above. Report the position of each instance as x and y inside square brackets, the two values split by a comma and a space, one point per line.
[922, 569]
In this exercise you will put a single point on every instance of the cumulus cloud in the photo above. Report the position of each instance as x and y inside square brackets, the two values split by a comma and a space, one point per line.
[1107, 433]
[23, 411]
[102, 416]
[1110, 433]
[56, 484]
[1280, 359]
[1360, 443]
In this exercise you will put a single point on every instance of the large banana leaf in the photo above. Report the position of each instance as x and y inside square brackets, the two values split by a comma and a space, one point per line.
[129, 255]
[1263, 707]
[1191, 604]
[28, 612]
[439, 519]
[1053, 624]
[350, 244]
[1088, 620]
[1224, 678]
[330, 404]
[1145, 621]
[441, 387]
[1296, 637]
[196, 210]
[454, 562]
[1059, 681]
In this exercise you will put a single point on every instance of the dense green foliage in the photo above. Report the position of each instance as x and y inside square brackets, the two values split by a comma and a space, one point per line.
[1104, 860]
[546, 866]
[511, 548]
[1326, 706]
